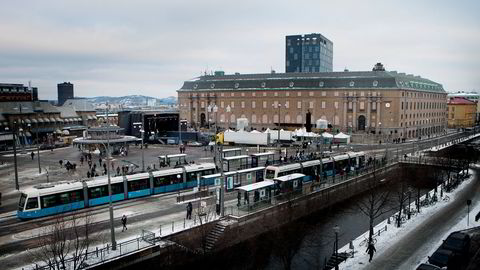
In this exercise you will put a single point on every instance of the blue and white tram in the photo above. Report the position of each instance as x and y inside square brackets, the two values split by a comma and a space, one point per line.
[45, 200]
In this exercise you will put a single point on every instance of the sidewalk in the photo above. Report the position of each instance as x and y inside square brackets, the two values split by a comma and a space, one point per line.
[409, 245]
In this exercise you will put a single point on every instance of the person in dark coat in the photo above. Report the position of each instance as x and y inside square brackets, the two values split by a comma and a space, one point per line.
[189, 210]
[33, 155]
[370, 250]
[124, 223]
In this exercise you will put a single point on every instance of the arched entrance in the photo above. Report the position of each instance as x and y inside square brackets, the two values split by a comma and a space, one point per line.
[361, 122]
[202, 119]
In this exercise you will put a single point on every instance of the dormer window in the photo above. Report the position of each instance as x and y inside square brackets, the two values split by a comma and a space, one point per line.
[195, 86]
[236, 85]
[291, 84]
[321, 84]
[212, 85]
[263, 84]
[352, 84]
[375, 83]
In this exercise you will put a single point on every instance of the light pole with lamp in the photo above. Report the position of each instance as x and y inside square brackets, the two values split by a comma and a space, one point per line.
[336, 229]
[278, 106]
[110, 207]
[17, 187]
[222, 175]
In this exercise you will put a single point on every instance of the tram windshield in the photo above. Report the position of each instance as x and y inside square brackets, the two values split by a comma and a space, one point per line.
[270, 174]
[21, 203]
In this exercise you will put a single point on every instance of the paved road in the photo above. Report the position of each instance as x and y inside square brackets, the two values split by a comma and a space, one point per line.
[412, 246]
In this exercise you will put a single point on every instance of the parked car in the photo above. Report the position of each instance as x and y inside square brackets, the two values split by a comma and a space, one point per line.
[194, 144]
[426, 266]
[444, 258]
[457, 242]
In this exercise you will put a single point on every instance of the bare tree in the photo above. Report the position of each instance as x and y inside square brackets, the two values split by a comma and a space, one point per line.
[64, 244]
[375, 203]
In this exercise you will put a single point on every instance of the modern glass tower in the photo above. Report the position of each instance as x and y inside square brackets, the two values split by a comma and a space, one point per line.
[308, 53]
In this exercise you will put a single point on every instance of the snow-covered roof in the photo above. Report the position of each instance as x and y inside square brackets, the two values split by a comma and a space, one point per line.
[290, 177]
[256, 186]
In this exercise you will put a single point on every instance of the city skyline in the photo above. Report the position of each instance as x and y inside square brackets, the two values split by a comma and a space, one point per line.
[117, 48]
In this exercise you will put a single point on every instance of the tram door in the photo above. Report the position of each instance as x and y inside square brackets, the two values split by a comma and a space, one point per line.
[259, 176]
[254, 161]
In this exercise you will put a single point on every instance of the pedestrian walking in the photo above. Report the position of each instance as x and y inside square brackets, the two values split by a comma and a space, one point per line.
[124, 223]
[370, 250]
[33, 155]
[81, 160]
[60, 162]
[189, 210]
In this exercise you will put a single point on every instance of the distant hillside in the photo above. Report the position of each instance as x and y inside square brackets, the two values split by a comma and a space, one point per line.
[132, 100]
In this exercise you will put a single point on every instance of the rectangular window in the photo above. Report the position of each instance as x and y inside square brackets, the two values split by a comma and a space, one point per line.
[222, 104]
[275, 94]
[287, 94]
[362, 105]
[138, 185]
[253, 104]
[253, 94]
[264, 94]
[299, 104]
[362, 94]
[324, 93]
[350, 105]
[203, 104]
[232, 94]
[287, 104]
[299, 94]
[310, 93]
[32, 203]
[323, 104]
[243, 94]
[232, 104]
[264, 104]
[336, 93]
[374, 105]
[336, 104]
[243, 104]
[311, 105]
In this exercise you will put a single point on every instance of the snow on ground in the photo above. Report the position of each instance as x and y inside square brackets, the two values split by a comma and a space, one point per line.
[394, 234]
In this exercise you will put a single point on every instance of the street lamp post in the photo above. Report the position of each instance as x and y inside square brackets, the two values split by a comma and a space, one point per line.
[17, 187]
[278, 133]
[222, 175]
[336, 229]
[110, 207]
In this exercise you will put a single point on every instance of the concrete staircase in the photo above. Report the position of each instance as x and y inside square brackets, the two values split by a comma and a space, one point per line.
[214, 235]
[335, 260]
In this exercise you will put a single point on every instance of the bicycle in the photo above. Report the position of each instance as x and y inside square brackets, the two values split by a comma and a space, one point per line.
[365, 241]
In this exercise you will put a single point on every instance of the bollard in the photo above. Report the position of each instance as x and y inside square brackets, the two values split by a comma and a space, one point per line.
[388, 220]
[172, 226]
[385, 227]
[184, 223]
[97, 252]
[108, 247]
[160, 229]
[120, 248]
[138, 244]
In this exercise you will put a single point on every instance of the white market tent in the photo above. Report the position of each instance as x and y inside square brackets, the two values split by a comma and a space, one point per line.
[342, 138]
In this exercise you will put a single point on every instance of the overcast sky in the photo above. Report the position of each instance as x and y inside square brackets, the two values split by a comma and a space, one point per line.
[150, 47]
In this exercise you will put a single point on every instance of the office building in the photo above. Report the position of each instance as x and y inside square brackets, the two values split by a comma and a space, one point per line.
[461, 112]
[308, 53]
[10, 92]
[64, 91]
[380, 102]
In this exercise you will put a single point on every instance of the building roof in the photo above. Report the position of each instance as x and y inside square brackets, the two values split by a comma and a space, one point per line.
[27, 107]
[313, 80]
[67, 111]
[460, 101]
[79, 105]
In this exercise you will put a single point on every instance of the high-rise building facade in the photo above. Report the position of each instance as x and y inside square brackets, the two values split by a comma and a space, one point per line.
[308, 53]
[10, 92]
[64, 91]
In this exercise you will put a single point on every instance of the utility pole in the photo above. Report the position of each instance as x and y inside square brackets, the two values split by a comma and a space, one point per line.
[17, 186]
[110, 207]
[38, 151]
[142, 131]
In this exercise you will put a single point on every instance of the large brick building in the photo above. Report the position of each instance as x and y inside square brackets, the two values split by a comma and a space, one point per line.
[461, 112]
[378, 101]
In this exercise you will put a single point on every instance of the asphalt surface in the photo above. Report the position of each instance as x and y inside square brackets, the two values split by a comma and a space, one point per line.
[399, 255]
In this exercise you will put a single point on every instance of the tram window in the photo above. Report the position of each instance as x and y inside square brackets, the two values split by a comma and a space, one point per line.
[76, 196]
[32, 203]
[64, 198]
[117, 188]
[138, 185]
[98, 192]
[23, 198]
[174, 179]
[191, 176]
[160, 181]
[49, 201]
